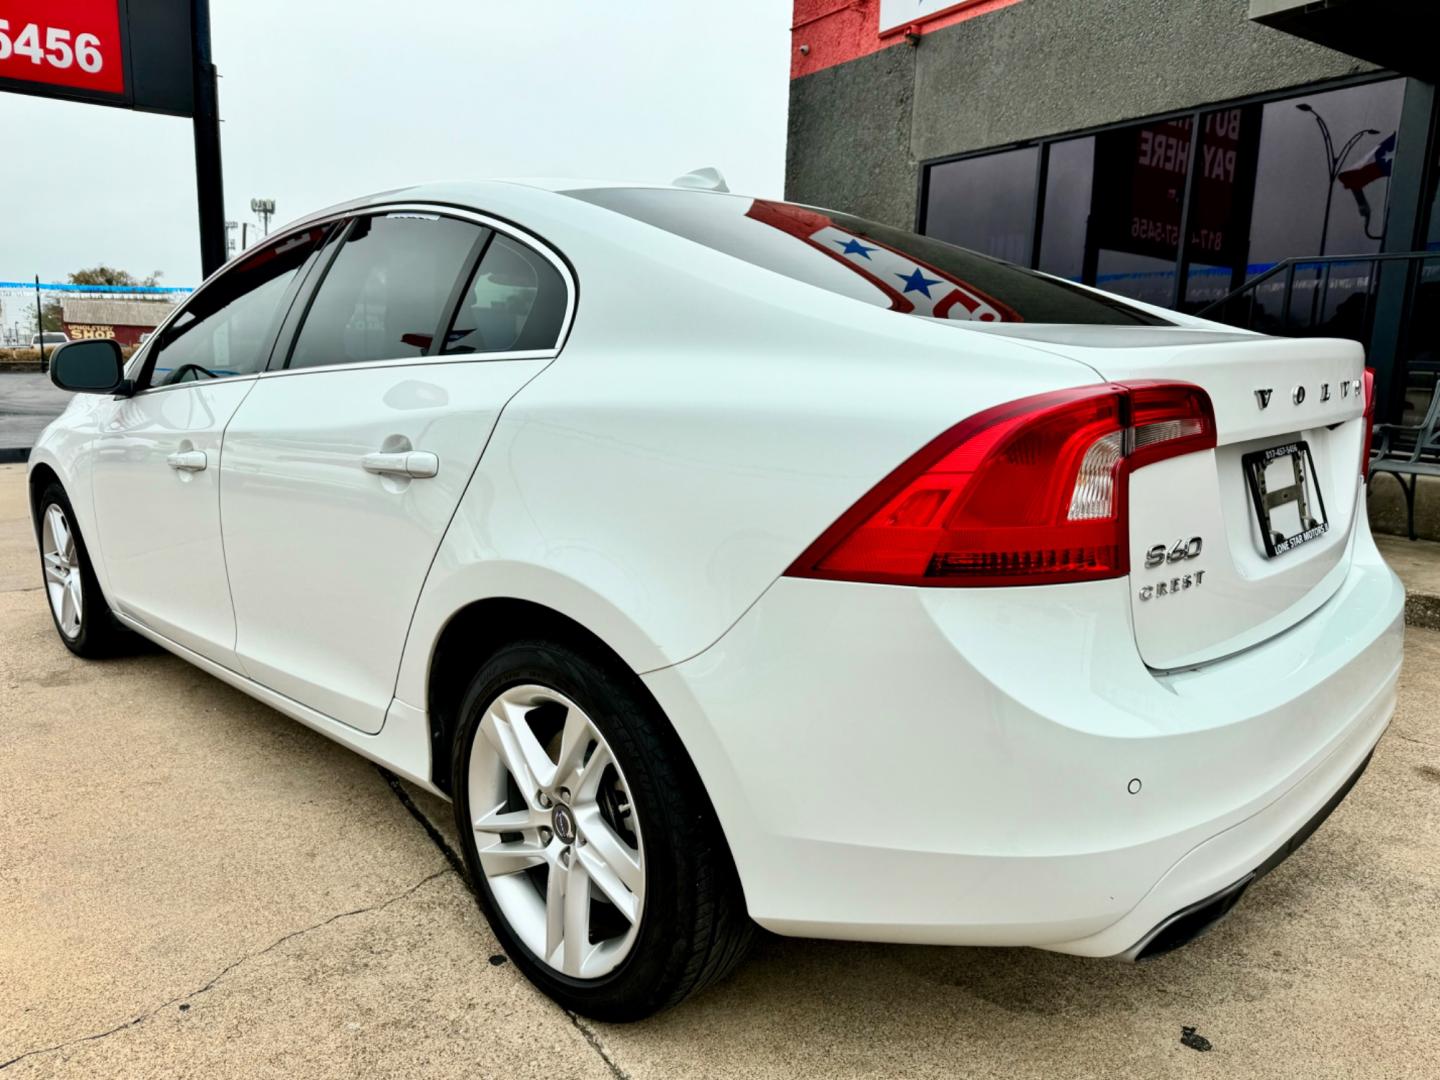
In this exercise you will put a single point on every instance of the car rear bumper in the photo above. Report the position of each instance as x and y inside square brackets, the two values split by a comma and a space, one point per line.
[956, 765]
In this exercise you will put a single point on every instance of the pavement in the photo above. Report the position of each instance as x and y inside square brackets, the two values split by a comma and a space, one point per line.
[28, 402]
[193, 885]
[1418, 564]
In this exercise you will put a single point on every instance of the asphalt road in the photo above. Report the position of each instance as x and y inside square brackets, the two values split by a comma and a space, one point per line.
[193, 885]
[27, 404]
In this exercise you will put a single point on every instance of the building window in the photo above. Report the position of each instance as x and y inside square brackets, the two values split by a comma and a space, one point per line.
[1069, 184]
[986, 203]
[1303, 175]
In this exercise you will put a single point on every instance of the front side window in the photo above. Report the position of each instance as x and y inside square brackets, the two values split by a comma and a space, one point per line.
[515, 301]
[226, 330]
[384, 294]
[874, 263]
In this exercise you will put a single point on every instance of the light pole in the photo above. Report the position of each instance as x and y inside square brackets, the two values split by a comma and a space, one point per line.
[263, 209]
[1334, 163]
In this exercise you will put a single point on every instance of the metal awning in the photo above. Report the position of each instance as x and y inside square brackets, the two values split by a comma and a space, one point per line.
[1392, 33]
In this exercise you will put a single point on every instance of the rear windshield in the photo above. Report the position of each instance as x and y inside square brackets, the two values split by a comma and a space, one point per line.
[887, 267]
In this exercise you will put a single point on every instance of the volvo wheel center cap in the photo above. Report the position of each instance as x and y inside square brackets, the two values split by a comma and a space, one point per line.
[564, 823]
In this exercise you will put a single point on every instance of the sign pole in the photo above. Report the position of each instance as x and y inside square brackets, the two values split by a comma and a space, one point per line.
[40, 324]
[209, 180]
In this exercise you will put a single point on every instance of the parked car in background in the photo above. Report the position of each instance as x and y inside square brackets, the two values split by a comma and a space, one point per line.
[50, 339]
[729, 561]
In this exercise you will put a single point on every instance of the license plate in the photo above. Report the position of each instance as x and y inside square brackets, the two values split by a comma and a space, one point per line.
[1286, 493]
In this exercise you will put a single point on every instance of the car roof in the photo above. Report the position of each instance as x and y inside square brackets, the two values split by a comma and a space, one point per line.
[490, 194]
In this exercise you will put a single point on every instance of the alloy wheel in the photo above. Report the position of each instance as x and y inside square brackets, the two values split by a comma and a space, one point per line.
[556, 832]
[63, 584]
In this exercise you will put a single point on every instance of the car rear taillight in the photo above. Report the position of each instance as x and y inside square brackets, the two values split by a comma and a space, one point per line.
[1369, 422]
[1027, 493]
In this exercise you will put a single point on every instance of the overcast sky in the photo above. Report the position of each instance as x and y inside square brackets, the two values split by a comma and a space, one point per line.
[325, 101]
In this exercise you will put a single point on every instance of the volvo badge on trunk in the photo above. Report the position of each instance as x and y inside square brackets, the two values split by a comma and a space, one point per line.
[1263, 394]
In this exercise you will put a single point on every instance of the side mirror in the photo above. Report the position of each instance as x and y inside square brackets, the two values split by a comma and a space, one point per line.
[94, 366]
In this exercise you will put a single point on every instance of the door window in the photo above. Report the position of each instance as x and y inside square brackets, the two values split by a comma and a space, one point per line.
[387, 289]
[226, 330]
[515, 301]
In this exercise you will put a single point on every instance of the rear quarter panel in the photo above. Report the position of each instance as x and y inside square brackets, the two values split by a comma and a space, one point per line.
[705, 422]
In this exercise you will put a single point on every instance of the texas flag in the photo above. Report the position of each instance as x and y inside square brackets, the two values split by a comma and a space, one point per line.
[1371, 167]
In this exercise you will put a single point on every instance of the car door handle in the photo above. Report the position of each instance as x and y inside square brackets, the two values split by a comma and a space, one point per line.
[188, 461]
[415, 464]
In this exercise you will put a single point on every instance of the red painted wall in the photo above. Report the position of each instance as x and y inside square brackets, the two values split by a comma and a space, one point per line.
[830, 32]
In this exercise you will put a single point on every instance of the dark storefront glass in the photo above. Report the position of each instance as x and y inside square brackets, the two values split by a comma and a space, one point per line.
[1135, 216]
[1421, 345]
[1221, 205]
[1069, 183]
[1293, 191]
[1114, 202]
[1297, 177]
[986, 203]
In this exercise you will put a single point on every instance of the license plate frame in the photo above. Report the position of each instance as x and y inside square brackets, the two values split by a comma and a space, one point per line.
[1302, 492]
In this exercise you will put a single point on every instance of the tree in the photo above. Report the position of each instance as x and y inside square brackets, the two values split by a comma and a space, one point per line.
[108, 275]
[50, 316]
[102, 275]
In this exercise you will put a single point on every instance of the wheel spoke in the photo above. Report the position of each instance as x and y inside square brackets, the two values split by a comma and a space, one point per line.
[589, 782]
[55, 568]
[60, 530]
[507, 737]
[574, 740]
[512, 857]
[615, 868]
[505, 821]
[577, 919]
[68, 616]
[555, 913]
[524, 747]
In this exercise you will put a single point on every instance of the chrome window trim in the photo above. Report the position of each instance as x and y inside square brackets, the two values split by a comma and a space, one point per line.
[192, 383]
[498, 225]
[407, 361]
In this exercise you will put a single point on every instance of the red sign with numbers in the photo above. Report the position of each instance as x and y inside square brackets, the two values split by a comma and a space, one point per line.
[73, 44]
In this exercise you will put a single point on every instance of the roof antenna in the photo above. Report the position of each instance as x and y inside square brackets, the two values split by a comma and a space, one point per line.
[706, 179]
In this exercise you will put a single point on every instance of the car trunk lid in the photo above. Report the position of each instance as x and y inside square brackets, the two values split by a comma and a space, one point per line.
[1290, 425]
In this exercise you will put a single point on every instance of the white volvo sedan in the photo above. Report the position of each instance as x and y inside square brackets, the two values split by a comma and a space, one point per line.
[733, 562]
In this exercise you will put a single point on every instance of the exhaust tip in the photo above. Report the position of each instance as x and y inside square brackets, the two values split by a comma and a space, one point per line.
[1190, 923]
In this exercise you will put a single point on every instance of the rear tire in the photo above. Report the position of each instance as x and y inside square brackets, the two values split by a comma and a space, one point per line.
[82, 617]
[691, 929]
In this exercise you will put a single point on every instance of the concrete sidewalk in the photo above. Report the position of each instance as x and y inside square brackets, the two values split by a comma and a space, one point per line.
[193, 885]
[1418, 564]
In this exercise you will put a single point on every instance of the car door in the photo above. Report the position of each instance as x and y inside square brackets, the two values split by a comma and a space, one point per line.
[344, 465]
[156, 482]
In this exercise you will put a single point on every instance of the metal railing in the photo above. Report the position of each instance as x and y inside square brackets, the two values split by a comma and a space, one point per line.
[1319, 286]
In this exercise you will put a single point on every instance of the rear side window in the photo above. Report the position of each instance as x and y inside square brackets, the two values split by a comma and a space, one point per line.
[515, 301]
[385, 292]
[880, 265]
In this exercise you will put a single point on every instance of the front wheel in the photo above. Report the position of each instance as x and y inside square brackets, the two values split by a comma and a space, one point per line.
[592, 850]
[82, 617]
